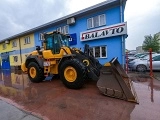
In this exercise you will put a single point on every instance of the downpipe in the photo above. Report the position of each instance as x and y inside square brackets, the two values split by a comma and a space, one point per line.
[122, 37]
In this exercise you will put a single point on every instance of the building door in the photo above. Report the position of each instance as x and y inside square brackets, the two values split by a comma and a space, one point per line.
[5, 60]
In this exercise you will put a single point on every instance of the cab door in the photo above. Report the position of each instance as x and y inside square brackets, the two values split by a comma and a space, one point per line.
[53, 43]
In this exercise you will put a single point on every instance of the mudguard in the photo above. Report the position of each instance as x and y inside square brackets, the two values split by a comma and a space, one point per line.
[34, 58]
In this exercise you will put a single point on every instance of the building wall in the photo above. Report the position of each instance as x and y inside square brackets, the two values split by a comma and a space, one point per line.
[115, 46]
[20, 50]
[27, 48]
[4, 53]
[112, 17]
[7, 49]
[15, 52]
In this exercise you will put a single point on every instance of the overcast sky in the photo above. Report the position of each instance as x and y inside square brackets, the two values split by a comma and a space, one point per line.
[142, 16]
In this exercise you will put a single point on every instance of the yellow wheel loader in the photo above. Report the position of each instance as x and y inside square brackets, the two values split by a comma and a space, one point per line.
[74, 66]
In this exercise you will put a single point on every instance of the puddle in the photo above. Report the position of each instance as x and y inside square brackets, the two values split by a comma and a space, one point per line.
[53, 100]
[13, 83]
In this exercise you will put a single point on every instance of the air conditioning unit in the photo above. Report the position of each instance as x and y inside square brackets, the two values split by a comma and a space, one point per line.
[71, 21]
[7, 41]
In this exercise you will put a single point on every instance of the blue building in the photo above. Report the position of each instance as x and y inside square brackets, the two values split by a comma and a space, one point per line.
[101, 26]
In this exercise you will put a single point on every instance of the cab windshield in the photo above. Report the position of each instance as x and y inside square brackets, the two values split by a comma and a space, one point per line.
[55, 41]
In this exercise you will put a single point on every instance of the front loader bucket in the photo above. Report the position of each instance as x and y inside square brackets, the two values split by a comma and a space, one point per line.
[114, 82]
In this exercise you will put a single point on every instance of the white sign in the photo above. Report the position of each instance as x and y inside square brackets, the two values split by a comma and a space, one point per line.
[103, 32]
[46, 63]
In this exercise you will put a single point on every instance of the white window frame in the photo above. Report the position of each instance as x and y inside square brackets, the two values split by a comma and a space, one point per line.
[4, 46]
[14, 43]
[59, 29]
[41, 36]
[99, 21]
[65, 29]
[15, 58]
[98, 18]
[92, 25]
[100, 51]
[27, 40]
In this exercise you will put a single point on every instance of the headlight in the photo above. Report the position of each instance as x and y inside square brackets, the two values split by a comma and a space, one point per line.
[131, 63]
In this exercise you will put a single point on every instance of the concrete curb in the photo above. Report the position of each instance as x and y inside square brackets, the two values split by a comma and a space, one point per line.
[12, 111]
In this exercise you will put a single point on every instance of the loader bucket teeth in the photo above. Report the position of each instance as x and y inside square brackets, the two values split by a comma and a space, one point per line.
[114, 82]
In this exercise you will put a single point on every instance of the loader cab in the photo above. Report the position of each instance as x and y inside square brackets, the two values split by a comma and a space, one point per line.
[55, 41]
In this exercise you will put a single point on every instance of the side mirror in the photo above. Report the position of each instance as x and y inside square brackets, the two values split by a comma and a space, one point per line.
[42, 48]
[68, 36]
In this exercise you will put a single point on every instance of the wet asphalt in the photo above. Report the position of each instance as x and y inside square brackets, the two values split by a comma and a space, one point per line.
[51, 100]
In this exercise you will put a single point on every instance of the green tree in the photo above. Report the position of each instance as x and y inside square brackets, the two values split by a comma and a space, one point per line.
[151, 42]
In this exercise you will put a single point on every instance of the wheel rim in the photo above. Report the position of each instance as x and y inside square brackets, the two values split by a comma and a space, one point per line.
[32, 72]
[70, 74]
[141, 68]
[86, 62]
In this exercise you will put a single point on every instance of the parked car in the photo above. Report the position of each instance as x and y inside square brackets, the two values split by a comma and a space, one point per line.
[143, 64]
[139, 55]
[130, 58]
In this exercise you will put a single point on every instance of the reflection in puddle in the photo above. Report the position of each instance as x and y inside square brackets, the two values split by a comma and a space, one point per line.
[152, 84]
[14, 84]
[53, 96]
[53, 100]
[151, 87]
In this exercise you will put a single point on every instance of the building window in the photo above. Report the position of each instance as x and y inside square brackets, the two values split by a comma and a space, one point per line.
[63, 29]
[59, 29]
[4, 46]
[99, 51]
[90, 23]
[102, 20]
[96, 21]
[14, 43]
[103, 51]
[15, 58]
[41, 36]
[27, 40]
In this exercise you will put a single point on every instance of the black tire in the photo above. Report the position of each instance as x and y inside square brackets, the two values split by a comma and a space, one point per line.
[80, 71]
[141, 68]
[39, 77]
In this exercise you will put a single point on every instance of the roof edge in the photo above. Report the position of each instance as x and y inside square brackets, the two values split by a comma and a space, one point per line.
[29, 31]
